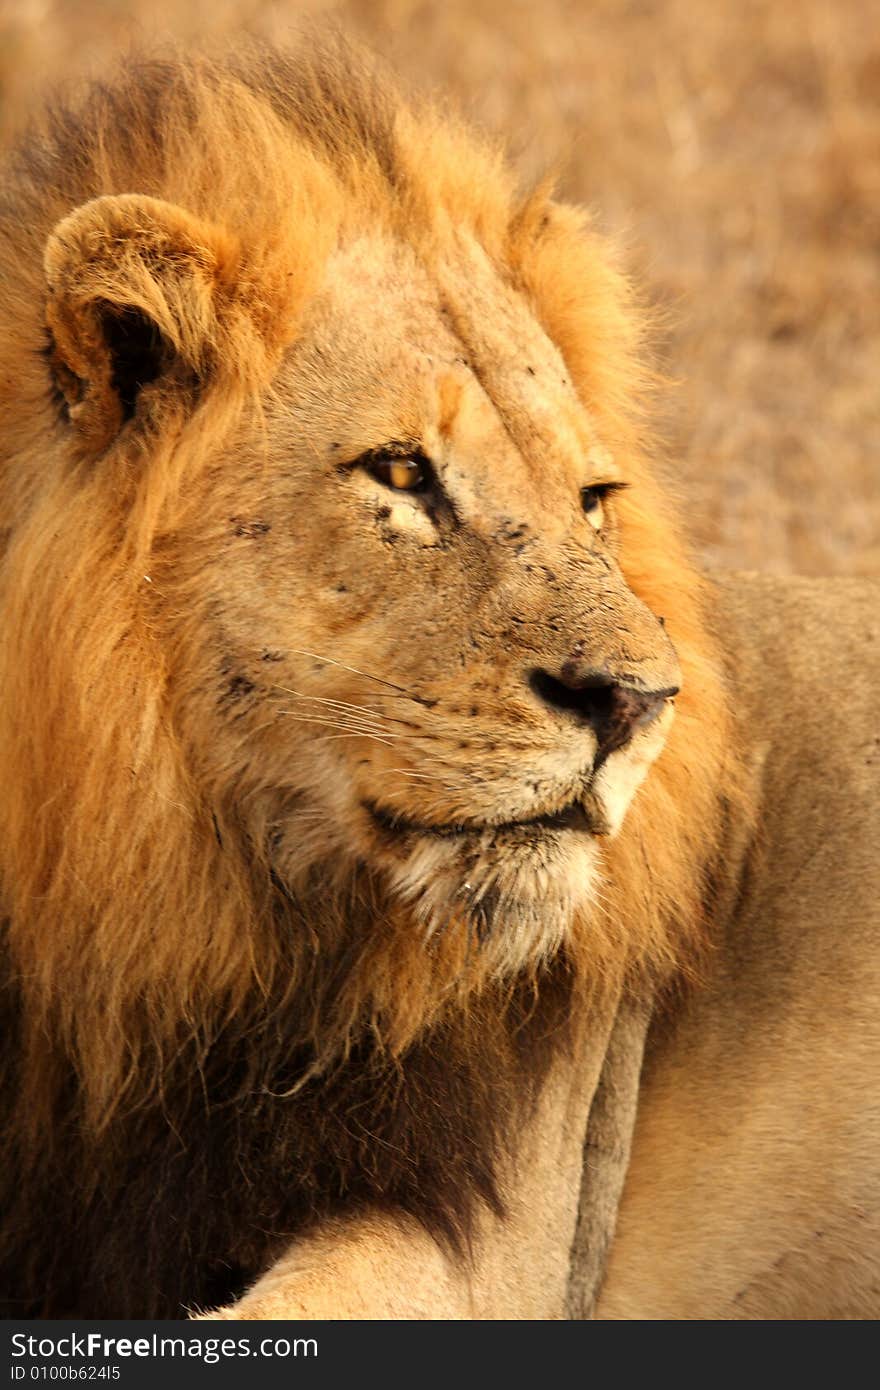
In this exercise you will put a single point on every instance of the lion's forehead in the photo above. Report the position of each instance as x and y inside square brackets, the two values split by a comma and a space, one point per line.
[447, 355]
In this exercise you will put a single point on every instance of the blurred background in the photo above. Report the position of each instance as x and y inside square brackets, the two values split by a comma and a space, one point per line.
[733, 145]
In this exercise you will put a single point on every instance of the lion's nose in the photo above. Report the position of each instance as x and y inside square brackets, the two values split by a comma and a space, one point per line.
[612, 709]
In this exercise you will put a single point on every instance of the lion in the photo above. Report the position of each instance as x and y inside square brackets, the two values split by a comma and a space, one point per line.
[381, 776]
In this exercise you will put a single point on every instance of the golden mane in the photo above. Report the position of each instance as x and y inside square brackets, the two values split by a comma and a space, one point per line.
[136, 932]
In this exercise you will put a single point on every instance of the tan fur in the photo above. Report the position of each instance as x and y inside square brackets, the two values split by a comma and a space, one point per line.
[754, 1185]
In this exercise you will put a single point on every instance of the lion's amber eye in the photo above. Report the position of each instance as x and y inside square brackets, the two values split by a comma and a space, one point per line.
[592, 503]
[403, 474]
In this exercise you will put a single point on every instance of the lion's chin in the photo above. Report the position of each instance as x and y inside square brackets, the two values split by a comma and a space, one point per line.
[518, 893]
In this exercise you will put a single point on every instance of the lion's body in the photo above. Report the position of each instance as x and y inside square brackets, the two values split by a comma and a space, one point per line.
[325, 858]
[754, 1185]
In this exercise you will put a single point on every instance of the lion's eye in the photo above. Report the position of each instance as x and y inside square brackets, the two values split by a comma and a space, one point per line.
[593, 502]
[403, 474]
[592, 499]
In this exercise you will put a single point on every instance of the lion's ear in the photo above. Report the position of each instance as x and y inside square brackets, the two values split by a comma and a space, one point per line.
[136, 292]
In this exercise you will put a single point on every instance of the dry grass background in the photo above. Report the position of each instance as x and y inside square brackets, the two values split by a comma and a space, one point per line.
[734, 144]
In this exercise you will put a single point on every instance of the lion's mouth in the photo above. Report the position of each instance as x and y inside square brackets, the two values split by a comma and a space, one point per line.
[583, 815]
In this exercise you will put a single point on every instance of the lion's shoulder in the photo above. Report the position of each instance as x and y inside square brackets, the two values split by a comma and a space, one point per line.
[803, 658]
[762, 1086]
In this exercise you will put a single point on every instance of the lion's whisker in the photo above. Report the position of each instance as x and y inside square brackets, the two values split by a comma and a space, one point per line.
[365, 710]
[366, 675]
[341, 720]
[348, 730]
[360, 733]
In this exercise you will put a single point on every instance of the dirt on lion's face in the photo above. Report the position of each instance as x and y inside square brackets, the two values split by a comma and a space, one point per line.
[411, 616]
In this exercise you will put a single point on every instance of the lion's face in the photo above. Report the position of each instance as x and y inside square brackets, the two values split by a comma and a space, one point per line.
[414, 643]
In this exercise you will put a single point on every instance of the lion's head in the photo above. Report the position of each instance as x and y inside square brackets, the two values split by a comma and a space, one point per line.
[343, 616]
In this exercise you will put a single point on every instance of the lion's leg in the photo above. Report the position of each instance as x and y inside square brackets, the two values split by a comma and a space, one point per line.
[606, 1154]
[371, 1266]
[380, 1265]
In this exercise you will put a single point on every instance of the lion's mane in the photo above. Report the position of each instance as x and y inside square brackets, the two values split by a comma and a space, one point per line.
[198, 1065]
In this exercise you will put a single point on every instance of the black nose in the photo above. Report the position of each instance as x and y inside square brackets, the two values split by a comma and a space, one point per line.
[613, 710]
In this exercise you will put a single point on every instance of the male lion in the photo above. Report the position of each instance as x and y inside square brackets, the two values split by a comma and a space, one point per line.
[343, 622]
